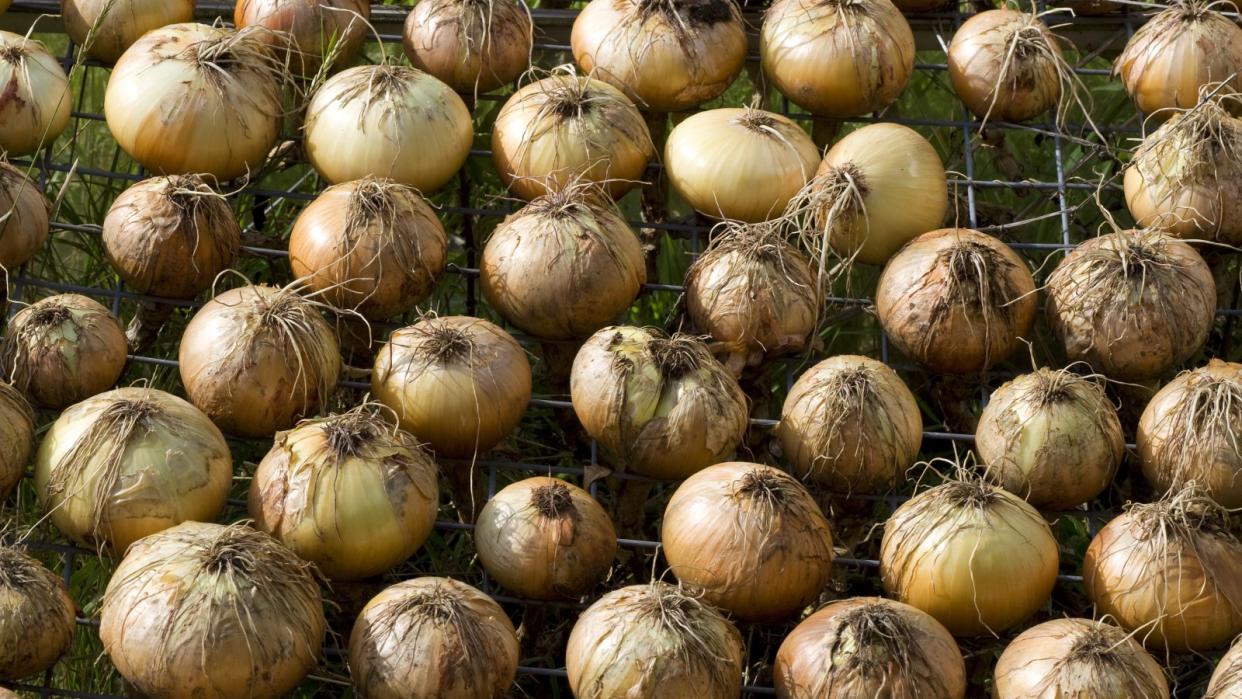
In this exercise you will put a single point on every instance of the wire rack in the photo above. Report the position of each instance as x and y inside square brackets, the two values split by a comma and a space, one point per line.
[1041, 206]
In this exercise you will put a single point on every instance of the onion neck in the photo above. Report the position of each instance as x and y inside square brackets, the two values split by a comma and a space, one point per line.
[553, 501]
[763, 486]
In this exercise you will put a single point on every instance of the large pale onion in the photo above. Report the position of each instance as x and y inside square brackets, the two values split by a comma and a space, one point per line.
[473, 46]
[36, 103]
[17, 427]
[24, 213]
[310, 30]
[36, 616]
[105, 28]
[1007, 65]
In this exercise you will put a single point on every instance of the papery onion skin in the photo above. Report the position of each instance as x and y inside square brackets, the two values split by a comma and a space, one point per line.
[212, 610]
[1077, 658]
[1226, 682]
[114, 25]
[850, 424]
[743, 164]
[471, 45]
[869, 647]
[433, 638]
[751, 537]
[545, 539]
[17, 425]
[665, 56]
[37, 616]
[837, 59]
[652, 641]
[956, 300]
[314, 28]
[36, 104]
[996, 81]
[27, 226]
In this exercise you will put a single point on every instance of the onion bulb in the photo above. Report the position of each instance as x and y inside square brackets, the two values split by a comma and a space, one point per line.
[568, 128]
[191, 98]
[977, 558]
[1078, 658]
[666, 55]
[1007, 65]
[869, 647]
[63, 349]
[473, 46]
[206, 610]
[36, 616]
[1226, 682]
[956, 300]
[1168, 571]
[257, 359]
[105, 28]
[650, 641]
[1132, 304]
[458, 383]
[387, 121]
[1051, 437]
[350, 493]
[754, 293]
[1185, 47]
[433, 638]
[371, 245]
[837, 58]
[36, 103]
[851, 425]
[24, 210]
[742, 164]
[17, 426]
[129, 463]
[311, 30]
[563, 266]
[661, 407]
[751, 537]
[545, 539]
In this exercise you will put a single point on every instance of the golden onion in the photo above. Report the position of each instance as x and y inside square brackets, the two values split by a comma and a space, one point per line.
[311, 30]
[25, 227]
[1226, 682]
[105, 28]
[37, 616]
[1007, 65]
[36, 105]
[17, 426]
[473, 46]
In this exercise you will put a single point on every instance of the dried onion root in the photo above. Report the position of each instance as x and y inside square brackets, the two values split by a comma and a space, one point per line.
[37, 616]
[1078, 658]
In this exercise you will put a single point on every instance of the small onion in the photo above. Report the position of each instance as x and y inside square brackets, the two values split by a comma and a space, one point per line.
[312, 30]
[461, 384]
[105, 28]
[545, 539]
[978, 558]
[1226, 682]
[36, 104]
[661, 407]
[474, 46]
[433, 638]
[567, 128]
[350, 493]
[1077, 658]
[869, 647]
[837, 58]
[17, 426]
[25, 212]
[1051, 437]
[387, 121]
[956, 300]
[62, 350]
[206, 610]
[1007, 65]
[651, 641]
[850, 424]
[751, 537]
[36, 616]
[1132, 304]
[666, 55]
[371, 245]
[743, 164]
[257, 359]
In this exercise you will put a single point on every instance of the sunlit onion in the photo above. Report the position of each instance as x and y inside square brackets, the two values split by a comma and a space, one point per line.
[36, 616]
[1007, 65]
[24, 212]
[37, 102]
[17, 426]
[311, 30]
[474, 46]
[105, 28]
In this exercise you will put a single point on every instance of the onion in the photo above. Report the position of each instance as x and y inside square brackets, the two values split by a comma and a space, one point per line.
[24, 212]
[350, 493]
[837, 58]
[1183, 48]
[312, 29]
[1051, 437]
[661, 407]
[257, 359]
[567, 128]
[754, 293]
[36, 104]
[1077, 658]
[666, 55]
[851, 425]
[472, 45]
[211, 610]
[36, 616]
[63, 349]
[650, 641]
[387, 121]
[743, 164]
[105, 28]
[371, 245]
[1132, 304]
[977, 558]
[545, 539]
[869, 647]
[751, 537]
[17, 426]
[1226, 682]
[433, 638]
[461, 384]
[189, 98]
[956, 300]
[1007, 65]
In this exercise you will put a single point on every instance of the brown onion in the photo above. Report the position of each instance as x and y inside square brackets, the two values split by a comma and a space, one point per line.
[1007, 65]
[473, 46]
[105, 28]
[17, 426]
[24, 212]
[37, 616]
[312, 30]
[1226, 682]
